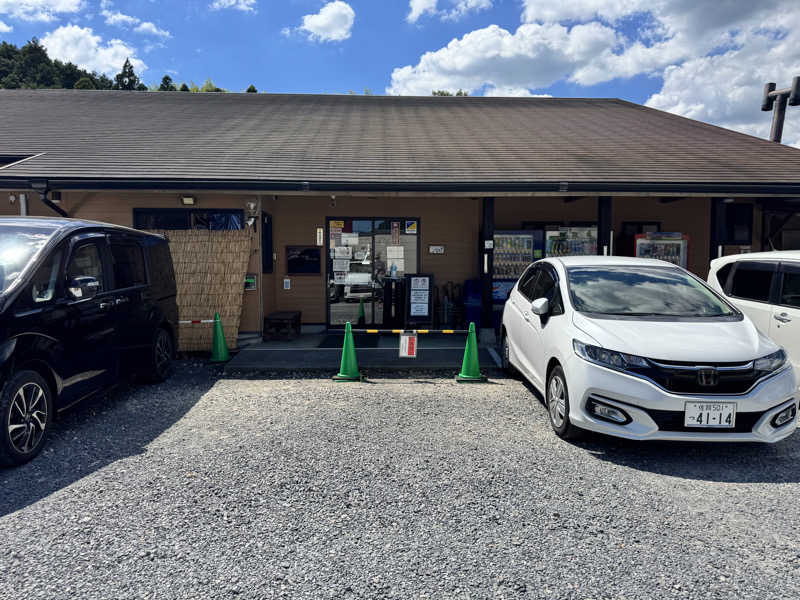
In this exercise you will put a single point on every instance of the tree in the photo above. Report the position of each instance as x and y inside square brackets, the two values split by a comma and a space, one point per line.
[184, 87]
[460, 92]
[167, 85]
[127, 78]
[102, 82]
[209, 86]
[252, 89]
[84, 83]
[142, 87]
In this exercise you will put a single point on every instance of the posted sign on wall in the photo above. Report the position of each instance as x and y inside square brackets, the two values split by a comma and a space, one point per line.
[408, 345]
[419, 299]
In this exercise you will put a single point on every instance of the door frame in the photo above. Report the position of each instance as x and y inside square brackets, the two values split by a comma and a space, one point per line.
[328, 259]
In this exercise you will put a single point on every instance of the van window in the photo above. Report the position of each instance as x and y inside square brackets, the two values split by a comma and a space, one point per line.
[753, 281]
[790, 294]
[162, 273]
[86, 262]
[129, 268]
[43, 286]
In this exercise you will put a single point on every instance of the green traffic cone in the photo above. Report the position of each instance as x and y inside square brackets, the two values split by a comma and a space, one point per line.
[349, 369]
[219, 349]
[470, 369]
[362, 318]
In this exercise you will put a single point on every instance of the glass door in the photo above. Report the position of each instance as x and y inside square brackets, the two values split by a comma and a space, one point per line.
[363, 256]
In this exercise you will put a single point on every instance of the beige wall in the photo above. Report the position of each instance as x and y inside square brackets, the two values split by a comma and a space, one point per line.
[453, 222]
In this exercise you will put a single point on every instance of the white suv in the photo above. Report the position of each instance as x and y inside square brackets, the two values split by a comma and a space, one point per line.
[642, 349]
[766, 287]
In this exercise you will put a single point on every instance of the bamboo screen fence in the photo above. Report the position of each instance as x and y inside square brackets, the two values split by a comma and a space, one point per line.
[210, 268]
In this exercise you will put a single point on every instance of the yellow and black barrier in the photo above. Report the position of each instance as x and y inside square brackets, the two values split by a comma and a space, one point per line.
[404, 331]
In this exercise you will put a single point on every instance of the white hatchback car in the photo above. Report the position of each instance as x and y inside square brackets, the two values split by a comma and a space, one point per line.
[642, 349]
[766, 287]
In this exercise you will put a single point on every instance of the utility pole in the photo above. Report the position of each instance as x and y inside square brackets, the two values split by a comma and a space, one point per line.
[790, 96]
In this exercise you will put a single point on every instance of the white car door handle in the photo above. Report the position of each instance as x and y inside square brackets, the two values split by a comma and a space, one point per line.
[527, 317]
[783, 318]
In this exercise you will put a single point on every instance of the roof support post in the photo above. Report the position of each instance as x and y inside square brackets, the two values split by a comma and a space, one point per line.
[717, 228]
[486, 253]
[604, 225]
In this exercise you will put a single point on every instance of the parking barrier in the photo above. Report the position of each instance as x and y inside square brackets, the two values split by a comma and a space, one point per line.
[219, 349]
[402, 331]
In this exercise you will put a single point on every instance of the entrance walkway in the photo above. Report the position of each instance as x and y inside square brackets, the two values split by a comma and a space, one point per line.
[436, 352]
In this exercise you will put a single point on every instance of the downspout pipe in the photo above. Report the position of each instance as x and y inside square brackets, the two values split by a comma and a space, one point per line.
[42, 187]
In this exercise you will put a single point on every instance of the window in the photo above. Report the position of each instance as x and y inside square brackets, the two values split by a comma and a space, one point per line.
[790, 294]
[527, 282]
[188, 218]
[86, 262]
[643, 292]
[722, 275]
[128, 264]
[547, 287]
[43, 286]
[737, 224]
[753, 281]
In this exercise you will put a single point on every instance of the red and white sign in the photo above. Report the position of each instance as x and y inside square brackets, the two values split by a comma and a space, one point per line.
[408, 345]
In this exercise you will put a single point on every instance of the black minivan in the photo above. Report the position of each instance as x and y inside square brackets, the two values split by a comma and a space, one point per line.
[81, 304]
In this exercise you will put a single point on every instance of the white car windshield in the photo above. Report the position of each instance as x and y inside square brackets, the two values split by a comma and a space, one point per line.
[18, 245]
[642, 291]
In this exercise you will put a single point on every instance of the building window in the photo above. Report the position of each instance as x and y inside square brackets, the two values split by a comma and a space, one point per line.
[214, 219]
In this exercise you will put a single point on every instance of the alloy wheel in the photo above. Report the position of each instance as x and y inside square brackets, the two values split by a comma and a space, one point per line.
[556, 401]
[27, 418]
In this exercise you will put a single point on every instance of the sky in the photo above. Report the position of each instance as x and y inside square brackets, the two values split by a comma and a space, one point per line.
[704, 59]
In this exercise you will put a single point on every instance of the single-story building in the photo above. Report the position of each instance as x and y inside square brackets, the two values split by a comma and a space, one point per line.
[345, 195]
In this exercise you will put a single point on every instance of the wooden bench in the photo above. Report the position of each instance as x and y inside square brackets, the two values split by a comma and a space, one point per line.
[282, 324]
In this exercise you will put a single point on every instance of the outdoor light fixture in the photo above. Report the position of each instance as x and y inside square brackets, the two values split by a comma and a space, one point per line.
[188, 200]
[12, 198]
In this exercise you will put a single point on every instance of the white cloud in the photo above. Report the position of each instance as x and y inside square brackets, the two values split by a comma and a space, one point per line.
[243, 5]
[117, 18]
[333, 23]
[512, 92]
[5, 28]
[459, 9]
[417, 8]
[39, 10]
[580, 10]
[81, 46]
[535, 56]
[149, 28]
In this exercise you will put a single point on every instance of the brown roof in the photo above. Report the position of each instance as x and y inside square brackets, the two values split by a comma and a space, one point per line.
[373, 140]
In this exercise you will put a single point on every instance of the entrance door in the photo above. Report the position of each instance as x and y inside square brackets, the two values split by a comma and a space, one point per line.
[363, 254]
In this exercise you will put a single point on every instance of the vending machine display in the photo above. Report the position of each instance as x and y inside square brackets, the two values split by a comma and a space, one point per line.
[571, 241]
[671, 247]
[513, 252]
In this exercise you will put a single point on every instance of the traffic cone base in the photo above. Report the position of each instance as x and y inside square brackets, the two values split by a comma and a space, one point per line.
[219, 349]
[470, 367]
[349, 367]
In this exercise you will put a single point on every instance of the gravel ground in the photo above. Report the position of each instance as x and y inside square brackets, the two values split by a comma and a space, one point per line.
[405, 488]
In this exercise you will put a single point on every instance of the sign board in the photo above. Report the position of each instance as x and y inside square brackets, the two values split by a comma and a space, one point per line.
[435, 249]
[419, 300]
[250, 282]
[287, 284]
[488, 245]
[395, 233]
[411, 227]
[408, 345]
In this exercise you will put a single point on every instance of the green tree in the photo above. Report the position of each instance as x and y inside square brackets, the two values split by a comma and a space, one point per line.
[84, 83]
[460, 92]
[11, 82]
[127, 78]
[252, 89]
[184, 87]
[34, 68]
[209, 86]
[102, 82]
[167, 85]
[142, 87]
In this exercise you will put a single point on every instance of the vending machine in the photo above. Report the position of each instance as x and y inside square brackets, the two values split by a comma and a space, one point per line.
[571, 241]
[513, 252]
[671, 247]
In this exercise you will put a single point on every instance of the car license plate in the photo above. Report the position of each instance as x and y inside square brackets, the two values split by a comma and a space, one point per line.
[710, 414]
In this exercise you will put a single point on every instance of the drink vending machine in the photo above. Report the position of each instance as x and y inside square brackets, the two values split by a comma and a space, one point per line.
[513, 252]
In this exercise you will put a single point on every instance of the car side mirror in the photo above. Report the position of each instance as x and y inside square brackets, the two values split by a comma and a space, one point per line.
[83, 288]
[540, 306]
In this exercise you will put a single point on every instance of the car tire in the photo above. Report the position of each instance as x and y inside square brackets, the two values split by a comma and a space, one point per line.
[505, 357]
[159, 364]
[26, 410]
[557, 403]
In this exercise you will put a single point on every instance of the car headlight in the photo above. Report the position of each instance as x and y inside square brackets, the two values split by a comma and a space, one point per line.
[770, 363]
[608, 358]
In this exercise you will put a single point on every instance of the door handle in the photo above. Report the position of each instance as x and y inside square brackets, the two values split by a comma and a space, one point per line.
[783, 318]
[106, 305]
[527, 317]
[122, 300]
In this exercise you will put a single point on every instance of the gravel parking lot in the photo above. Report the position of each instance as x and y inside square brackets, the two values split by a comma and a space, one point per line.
[405, 488]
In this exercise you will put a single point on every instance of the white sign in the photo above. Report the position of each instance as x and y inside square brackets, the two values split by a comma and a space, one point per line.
[395, 252]
[341, 265]
[408, 345]
[435, 249]
[418, 296]
[320, 236]
[350, 239]
[420, 283]
[343, 252]
[419, 310]
[488, 245]
[287, 284]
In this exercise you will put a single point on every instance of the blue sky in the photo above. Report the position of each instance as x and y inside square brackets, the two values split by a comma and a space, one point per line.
[706, 59]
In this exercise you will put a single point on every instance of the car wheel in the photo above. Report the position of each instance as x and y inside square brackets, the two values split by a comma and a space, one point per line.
[505, 357]
[558, 405]
[26, 408]
[162, 351]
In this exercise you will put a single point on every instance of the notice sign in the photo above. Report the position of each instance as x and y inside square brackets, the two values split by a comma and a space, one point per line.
[420, 283]
[408, 345]
[419, 300]
[419, 296]
[419, 310]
